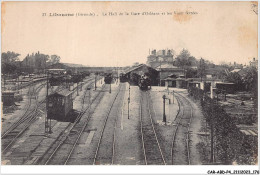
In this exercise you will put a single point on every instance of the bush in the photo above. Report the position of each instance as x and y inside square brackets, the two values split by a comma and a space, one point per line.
[18, 98]
[229, 139]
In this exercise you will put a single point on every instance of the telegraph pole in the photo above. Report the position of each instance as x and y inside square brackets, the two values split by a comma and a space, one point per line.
[128, 106]
[4, 81]
[77, 88]
[200, 70]
[128, 101]
[95, 81]
[212, 128]
[160, 72]
[211, 137]
[46, 119]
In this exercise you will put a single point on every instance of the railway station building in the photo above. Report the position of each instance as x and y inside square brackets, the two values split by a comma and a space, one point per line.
[157, 58]
[140, 70]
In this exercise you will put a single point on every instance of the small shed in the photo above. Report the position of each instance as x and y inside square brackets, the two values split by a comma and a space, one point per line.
[226, 87]
[181, 83]
[8, 98]
[170, 82]
[194, 84]
[60, 104]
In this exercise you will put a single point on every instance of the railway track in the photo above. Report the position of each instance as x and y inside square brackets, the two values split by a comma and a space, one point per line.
[182, 132]
[103, 153]
[27, 113]
[151, 147]
[21, 125]
[71, 135]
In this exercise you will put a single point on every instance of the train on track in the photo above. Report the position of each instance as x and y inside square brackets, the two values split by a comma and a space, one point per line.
[58, 79]
[123, 78]
[108, 78]
[144, 83]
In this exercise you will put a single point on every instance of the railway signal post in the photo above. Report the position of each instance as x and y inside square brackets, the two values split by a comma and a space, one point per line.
[95, 81]
[47, 121]
[164, 115]
[88, 88]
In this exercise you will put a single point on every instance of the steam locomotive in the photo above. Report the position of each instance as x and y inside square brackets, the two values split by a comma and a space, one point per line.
[144, 83]
[108, 78]
[123, 78]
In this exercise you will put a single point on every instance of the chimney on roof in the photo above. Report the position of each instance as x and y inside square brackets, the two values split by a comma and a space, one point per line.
[154, 52]
[168, 52]
[163, 52]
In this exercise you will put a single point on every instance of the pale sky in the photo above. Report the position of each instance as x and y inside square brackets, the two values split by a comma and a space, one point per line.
[220, 31]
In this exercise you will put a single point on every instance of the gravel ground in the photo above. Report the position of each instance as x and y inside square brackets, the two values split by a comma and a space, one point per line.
[21, 151]
[197, 134]
[9, 118]
[164, 132]
[84, 153]
[128, 146]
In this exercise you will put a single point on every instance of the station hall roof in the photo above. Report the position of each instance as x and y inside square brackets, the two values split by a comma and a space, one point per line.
[65, 66]
[136, 67]
[248, 130]
[64, 92]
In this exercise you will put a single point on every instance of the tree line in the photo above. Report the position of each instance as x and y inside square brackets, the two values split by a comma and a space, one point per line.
[11, 64]
[245, 81]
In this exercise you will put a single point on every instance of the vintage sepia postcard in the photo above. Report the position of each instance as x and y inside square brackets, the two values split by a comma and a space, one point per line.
[130, 83]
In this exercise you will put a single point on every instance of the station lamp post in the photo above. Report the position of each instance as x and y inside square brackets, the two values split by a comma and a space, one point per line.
[164, 115]
[128, 106]
[129, 91]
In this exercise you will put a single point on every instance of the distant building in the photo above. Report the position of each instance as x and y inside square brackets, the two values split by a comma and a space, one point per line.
[157, 58]
[168, 71]
[254, 63]
[214, 73]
